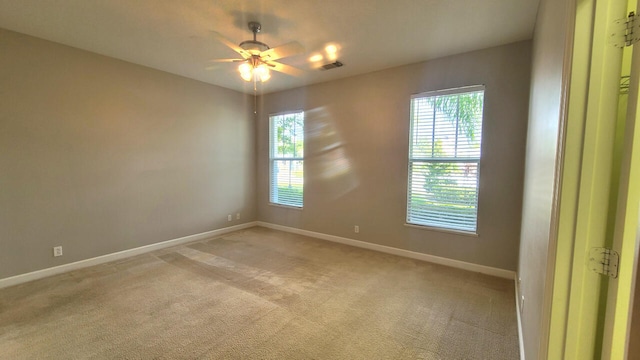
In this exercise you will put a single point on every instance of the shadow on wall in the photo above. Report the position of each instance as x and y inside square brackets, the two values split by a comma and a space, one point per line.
[328, 168]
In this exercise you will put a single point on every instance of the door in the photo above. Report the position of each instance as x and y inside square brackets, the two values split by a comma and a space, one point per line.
[620, 291]
[592, 189]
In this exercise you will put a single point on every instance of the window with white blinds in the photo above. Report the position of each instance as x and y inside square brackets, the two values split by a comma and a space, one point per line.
[444, 158]
[286, 159]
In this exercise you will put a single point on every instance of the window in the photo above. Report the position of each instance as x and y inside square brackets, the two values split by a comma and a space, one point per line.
[286, 158]
[444, 157]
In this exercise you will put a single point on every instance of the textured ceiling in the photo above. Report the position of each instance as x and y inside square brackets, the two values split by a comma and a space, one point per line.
[176, 36]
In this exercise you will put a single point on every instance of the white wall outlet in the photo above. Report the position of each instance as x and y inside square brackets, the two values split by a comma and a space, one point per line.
[229, 217]
[356, 229]
[522, 303]
[238, 216]
[57, 251]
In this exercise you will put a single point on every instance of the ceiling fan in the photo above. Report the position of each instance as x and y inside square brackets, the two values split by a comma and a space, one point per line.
[258, 58]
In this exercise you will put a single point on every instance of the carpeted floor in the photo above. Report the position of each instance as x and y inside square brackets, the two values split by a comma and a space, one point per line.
[261, 294]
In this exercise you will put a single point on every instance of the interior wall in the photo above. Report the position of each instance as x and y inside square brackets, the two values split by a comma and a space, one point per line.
[549, 51]
[356, 154]
[99, 155]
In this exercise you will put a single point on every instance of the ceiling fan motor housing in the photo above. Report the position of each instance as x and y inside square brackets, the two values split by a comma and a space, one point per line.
[254, 46]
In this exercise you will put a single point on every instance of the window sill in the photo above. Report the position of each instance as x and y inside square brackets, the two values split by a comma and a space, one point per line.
[286, 206]
[431, 228]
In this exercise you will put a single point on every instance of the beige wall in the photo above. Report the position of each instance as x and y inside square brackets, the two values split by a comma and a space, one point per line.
[99, 155]
[542, 147]
[357, 133]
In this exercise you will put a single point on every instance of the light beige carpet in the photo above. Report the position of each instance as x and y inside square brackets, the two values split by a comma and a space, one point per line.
[261, 294]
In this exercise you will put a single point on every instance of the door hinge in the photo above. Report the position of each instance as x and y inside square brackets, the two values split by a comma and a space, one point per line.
[625, 32]
[604, 261]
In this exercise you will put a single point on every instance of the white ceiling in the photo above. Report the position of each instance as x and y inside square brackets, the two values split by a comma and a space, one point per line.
[175, 35]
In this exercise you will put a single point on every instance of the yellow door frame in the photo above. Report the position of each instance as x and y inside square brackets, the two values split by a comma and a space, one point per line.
[619, 293]
[584, 182]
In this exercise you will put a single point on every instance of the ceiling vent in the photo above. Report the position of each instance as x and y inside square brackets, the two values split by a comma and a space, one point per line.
[332, 65]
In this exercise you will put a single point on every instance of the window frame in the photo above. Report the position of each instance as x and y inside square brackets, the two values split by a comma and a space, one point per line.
[273, 158]
[413, 160]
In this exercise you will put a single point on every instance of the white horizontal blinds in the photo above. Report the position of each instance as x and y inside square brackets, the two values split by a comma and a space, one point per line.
[444, 155]
[443, 201]
[286, 143]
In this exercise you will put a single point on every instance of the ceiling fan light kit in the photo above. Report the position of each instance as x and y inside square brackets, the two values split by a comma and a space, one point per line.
[254, 72]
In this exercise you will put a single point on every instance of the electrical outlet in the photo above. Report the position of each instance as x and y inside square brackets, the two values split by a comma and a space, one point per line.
[57, 251]
[229, 217]
[522, 303]
[238, 216]
[356, 229]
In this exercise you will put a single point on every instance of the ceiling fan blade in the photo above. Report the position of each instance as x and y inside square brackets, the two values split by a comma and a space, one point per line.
[283, 68]
[227, 60]
[282, 51]
[245, 54]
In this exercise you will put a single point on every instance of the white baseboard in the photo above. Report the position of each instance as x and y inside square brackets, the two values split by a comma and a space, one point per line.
[39, 274]
[519, 316]
[19, 279]
[506, 274]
